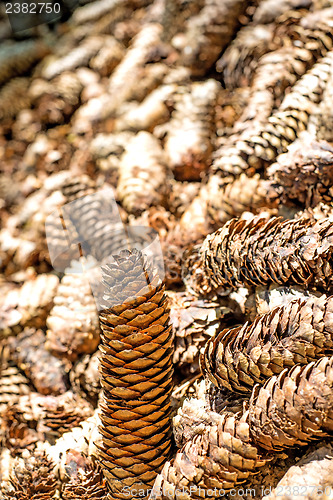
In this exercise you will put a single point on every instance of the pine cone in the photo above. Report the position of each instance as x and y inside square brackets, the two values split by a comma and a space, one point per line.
[14, 97]
[28, 305]
[47, 373]
[143, 174]
[136, 375]
[73, 327]
[304, 173]
[293, 408]
[298, 332]
[189, 140]
[13, 384]
[19, 57]
[241, 252]
[86, 479]
[194, 322]
[218, 455]
[85, 379]
[32, 479]
[208, 33]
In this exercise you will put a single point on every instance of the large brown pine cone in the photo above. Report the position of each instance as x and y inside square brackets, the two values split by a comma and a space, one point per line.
[136, 375]
[298, 332]
[260, 251]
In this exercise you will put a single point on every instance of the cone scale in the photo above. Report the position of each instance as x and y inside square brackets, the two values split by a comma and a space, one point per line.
[136, 376]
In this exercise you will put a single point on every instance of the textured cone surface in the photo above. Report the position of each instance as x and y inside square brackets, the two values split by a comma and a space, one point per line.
[46, 372]
[143, 174]
[189, 141]
[298, 332]
[241, 253]
[32, 479]
[73, 327]
[293, 408]
[86, 480]
[304, 173]
[136, 375]
[218, 454]
[28, 305]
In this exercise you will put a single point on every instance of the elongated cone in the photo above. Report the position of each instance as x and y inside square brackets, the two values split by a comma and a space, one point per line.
[143, 174]
[304, 174]
[260, 251]
[293, 408]
[217, 455]
[86, 480]
[208, 33]
[73, 327]
[47, 372]
[298, 332]
[136, 375]
[32, 478]
[189, 140]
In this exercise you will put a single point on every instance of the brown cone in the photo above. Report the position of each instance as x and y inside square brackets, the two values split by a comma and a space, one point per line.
[136, 375]
[241, 253]
[298, 332]
[85, 478]
[293, 408]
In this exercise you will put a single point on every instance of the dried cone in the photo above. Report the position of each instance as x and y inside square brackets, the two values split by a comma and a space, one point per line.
[13, 384]
[85, 478]
[304, 174]
[143, 174]
[293, 408]
[32, 479]
[136, 375]
[298, 332]
[73, 327]
[241, 253]
[217, 455]
[84, 377]
[189, 141]
[28, 305]
[47, 373]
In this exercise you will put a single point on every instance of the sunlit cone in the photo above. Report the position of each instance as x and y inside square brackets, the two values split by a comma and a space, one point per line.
[299, 332]
[136, 375]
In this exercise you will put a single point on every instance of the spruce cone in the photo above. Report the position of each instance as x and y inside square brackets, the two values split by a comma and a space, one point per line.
[218, 454]
[260, 251]
[28, 305]
[189, 140]
[47, 373]
[73, 327]
[208, 33]
[304, 174]
[13, 384]
[32, 479]
[293, 408]
[143, 174]
[298, 332]
[136, 375]
[85, 476]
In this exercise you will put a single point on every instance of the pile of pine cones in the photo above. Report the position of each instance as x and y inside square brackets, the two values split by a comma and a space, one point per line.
[212, 123]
